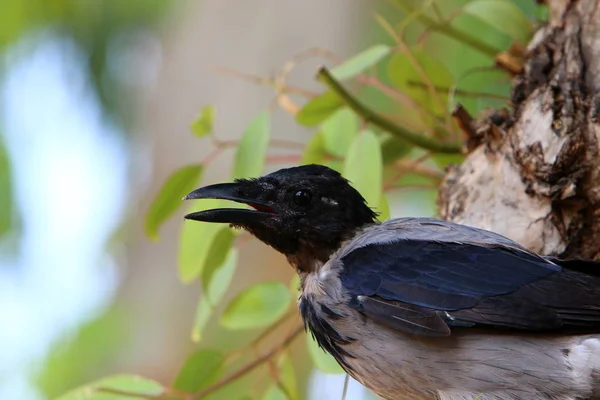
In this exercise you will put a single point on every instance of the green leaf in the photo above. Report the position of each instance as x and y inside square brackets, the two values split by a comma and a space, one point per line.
[221, 277]
[336, 165]
[203, 125]
[252, 149]
[383, 209]
[504, 16]
[256, 307]
[295, 286]
[469, 66]
[6, 196]
[200, 370]
[393, 149]
[168, 199]
[314, 152]
[77, 357]
[134, 384]
[217, 254]
[203, 312]
[339, 131]
[287, 377]
[215, 286]
[407, 78]
[360, 62]
[323, 361]
[274, 393]
[363, 167]
[319, 109]
[195, 242]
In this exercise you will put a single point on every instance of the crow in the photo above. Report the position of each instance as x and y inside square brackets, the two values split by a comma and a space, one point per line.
[422, 308]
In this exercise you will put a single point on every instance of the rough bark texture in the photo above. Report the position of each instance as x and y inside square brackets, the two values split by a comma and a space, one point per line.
[533, 174]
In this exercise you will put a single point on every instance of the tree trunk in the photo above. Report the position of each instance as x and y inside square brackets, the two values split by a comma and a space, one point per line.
[533, 174]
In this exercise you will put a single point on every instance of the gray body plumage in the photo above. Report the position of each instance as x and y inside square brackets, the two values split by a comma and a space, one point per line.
[463, 365]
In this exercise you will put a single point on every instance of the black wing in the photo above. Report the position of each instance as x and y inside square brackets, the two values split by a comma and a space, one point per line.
[426, 287]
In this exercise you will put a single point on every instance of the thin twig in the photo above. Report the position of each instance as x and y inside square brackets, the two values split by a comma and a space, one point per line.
[273, 327]
[414, 187]
[460, 92]
[447, 20]
[250, 366]
[419, 168]
[125, 393]
[283, 159]
[212, 156]
[405, 167]
[345, 392]
[280, 81]
[266, 82]
[385, 124]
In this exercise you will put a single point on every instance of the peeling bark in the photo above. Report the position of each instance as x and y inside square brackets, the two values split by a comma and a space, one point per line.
[533, 174]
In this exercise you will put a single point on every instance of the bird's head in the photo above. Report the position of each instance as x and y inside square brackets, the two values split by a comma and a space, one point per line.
[302, 212]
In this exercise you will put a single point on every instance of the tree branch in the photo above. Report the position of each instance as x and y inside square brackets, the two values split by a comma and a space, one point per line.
[370, 116]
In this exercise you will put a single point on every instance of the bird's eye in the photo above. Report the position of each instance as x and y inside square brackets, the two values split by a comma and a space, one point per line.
[302, 198]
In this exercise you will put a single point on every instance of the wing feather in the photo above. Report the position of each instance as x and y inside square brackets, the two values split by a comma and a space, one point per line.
[424, 286]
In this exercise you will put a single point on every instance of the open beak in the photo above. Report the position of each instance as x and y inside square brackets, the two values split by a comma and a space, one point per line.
[229, 191]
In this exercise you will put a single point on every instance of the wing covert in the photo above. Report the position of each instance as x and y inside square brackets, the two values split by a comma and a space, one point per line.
[425, 287]
[442, 276]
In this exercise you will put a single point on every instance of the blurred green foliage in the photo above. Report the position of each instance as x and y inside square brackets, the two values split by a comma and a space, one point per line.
[384, 120]
[95, 27]
[116, 388]
[100, 30]
[179, 183]
[6, 196]
[422, 58]
[81, 357]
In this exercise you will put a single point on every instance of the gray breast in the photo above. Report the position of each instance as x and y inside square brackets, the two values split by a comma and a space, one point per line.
[469, 364]
[465, 365]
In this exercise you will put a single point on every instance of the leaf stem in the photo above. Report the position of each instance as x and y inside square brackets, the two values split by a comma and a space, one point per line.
[418, 168]
[460, 92]
[163, 396]
[385, 124]
[266, 82]
[128, 393]
[250, 366]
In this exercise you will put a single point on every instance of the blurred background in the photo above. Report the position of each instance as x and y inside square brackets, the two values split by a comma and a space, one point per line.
[96, 102]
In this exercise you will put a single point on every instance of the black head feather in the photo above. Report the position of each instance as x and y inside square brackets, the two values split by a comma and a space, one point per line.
[309, 208]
